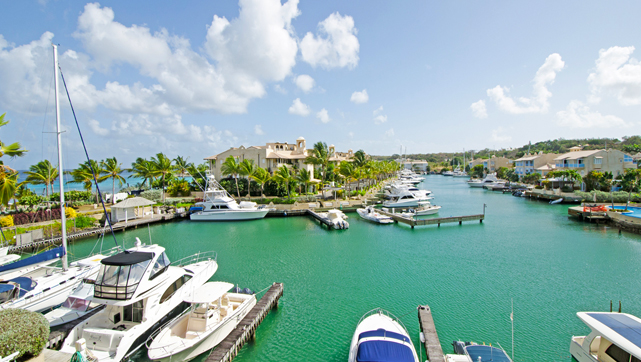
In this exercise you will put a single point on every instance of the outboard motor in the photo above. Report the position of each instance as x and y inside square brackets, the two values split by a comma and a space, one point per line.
[459, 347]
[247, 291]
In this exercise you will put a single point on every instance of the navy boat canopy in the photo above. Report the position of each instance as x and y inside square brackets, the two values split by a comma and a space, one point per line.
[487, 353]
[627, 327]
[35, 259]
[384, 351]
[127, 258]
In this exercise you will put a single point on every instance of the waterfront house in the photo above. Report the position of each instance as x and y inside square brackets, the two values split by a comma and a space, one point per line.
[491, 164]
[583, 162]
[414, 165]
[530, 163]
[273, 155]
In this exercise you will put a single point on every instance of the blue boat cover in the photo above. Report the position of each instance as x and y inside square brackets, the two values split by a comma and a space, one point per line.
[384, 351]
[383, 333]
[627, 327]
[487, 353]
[38, 258]
[26, 284]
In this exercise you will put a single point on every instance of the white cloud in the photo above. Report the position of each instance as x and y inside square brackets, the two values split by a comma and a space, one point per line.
[339, 48]
[578, 115]
[95, 127]
[616, 73]
[379, 117]
[389, 132]
[539, 102]
[299, 108]
[258, 129]
[323, 116]
[499, 135]
[304, 82]
[278, 88]
[360, 97]
[479, 109]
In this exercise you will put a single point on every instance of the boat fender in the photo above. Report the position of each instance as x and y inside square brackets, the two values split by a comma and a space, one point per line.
[422, 337]
[247, 291]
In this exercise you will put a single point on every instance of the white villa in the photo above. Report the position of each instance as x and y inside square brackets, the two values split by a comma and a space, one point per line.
[271, 156]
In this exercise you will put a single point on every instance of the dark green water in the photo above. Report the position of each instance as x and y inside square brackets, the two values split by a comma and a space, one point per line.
[528, 251]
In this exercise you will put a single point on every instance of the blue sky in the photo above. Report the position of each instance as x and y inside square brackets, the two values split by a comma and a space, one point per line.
[195, 78]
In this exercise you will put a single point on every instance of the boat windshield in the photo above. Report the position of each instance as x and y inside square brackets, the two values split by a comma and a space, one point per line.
[120, 275]
[77, 304]
[7, 292]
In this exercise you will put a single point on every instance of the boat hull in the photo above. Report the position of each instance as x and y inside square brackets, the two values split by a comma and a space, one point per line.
[577, 351]
[236, 215]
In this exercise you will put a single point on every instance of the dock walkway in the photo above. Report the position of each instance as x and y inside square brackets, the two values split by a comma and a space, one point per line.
[432, 221]
[431, 341]
[246, 329]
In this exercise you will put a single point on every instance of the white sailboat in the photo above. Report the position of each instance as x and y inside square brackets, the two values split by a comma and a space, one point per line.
[36, 287]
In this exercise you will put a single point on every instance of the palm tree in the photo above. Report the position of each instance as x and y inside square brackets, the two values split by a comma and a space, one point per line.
[320, 157]
[360, 158]
[631, 180]
[231, 168]
[346, 169]
[8, 176]
[42, 173]
[112, 170]
[304, 177]
[247, 168]
[144, 169]
[261, 176]
[181, 166]
[84, 175]
[283, 175]
[161, 168]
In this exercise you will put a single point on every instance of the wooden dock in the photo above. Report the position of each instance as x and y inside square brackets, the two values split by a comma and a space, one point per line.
[246, 329]
[432, 221]
[552, 197]
[590, 216]
[431, 342]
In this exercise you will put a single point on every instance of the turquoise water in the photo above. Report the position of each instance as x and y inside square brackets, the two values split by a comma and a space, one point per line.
[528, 251]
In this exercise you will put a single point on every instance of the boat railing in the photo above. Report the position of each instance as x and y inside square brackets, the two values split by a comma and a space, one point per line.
[384, 312]
[196, 258]
[155, 334]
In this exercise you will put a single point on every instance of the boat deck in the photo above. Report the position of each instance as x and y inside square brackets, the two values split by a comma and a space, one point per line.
[246, 329]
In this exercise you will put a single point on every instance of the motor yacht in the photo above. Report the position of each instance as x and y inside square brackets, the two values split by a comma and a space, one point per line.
[371, 214]
[472, 352]
[213, 314]
[77, 305]
[380, 336]
[458, 173]
[448, 173]
[218, 205]
[423, 210]
[46, 287]
[495, 186]
[406, 199]
[336, 218]
[396, 189]
[614, 337]
[490, 178]
[141, 291]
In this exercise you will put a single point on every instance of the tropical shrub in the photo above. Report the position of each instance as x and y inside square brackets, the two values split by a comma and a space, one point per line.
[22, 331]
[70, 212]
[601, 196]
[73, 195]
[37, 216]
[179, 187]
[31, 200]
[6, 221]
[153, 195]
[83, 222]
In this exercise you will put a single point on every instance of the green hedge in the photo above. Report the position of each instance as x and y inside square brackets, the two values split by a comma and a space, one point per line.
[601, 196]
[23, 331]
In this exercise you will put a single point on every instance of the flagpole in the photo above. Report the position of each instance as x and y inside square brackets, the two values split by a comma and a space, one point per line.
[512, 319]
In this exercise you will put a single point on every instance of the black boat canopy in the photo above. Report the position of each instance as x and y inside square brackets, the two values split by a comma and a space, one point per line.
[125, 258]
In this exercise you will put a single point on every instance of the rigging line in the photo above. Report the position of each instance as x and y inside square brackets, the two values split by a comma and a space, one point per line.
[93, 172]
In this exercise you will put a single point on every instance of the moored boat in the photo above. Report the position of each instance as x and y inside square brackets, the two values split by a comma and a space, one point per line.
[613, 337]
[371, 214]
[218, 205]
[472, 352]
[77, 305]
[336, 217]
[213, 314]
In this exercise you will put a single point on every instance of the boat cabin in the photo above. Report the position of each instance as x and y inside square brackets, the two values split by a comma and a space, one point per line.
[615, 337]
[15, 288]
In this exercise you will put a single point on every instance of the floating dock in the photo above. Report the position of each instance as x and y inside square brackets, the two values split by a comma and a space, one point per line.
[431, 342]
[590, 216]
[246, 329]
[432, 221]
[552, 197]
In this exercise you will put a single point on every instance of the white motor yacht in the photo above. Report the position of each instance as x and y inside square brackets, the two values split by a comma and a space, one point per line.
[423, 210]
[77, 305]
[614, 337]
[369, 213]
[395, 190]
[141, 291]
[213, 314]
[406, 199]
[490, 178]
[448, 173]
[472, 352]
[459, 173]
[380, 336]
[218, 205]
[496, 185]
[46, 287]
[336, 218]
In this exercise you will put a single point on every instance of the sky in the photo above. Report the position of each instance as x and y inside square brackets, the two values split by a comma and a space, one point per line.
[194, 78]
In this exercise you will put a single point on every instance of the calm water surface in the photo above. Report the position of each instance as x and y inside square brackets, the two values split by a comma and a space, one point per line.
[528, 251]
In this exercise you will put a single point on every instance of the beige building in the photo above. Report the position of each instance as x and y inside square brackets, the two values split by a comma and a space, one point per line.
[583, 162]
[414, 165]
[271, 156]
[492, 164]
[534, 163]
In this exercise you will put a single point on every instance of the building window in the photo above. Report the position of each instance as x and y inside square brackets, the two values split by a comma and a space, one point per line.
[598, 160]
[627, 158]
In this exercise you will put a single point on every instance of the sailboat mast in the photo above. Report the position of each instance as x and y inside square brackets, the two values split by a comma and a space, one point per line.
[63, 218]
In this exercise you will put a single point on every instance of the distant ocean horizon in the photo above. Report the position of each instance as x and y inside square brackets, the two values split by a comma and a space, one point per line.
[105, 186]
